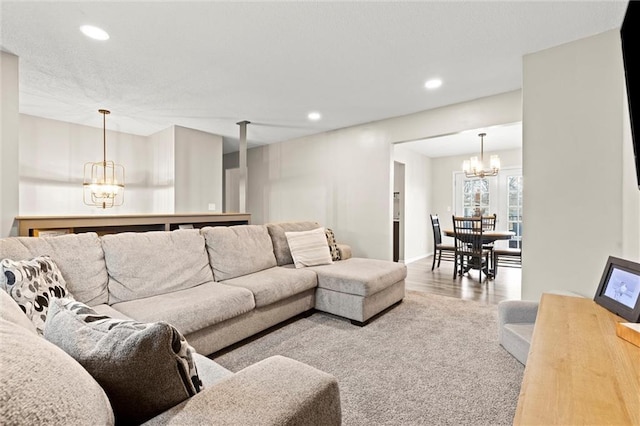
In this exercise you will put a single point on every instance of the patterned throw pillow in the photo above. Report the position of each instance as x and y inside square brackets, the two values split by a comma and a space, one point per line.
[333, 245]
[32, 284]
[145, 368]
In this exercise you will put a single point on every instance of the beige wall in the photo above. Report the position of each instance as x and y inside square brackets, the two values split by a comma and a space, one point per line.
[52, 157]
[573, 145]
[344, 178]
[177, 170]
[9, 125]
[198, 171]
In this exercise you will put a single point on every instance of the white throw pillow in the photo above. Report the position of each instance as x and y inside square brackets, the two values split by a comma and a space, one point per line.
[309, 248]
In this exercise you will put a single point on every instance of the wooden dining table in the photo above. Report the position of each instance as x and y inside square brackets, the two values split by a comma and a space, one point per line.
[488, 237]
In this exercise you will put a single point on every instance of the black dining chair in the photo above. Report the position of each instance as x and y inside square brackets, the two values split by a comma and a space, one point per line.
[440, 250]
[469, 248]
[505, 257]
[489, 224]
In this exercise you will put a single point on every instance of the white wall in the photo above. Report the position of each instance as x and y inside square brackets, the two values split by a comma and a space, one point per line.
[198, 171]
[52, 157]
[9, 124]
[344, 178]
[418, 238]
[573, 137]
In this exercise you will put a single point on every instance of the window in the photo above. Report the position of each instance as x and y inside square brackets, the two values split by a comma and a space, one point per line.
[475, 197]
[514, 209]
[500, 194]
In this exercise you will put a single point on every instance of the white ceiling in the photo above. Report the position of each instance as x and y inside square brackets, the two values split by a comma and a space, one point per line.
[498, 138]
[207, 65]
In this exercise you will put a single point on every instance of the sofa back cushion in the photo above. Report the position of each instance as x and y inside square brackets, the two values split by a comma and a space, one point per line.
[40, 383]
[238, 250]
[144, 264]
[78, 256]
[279, 239]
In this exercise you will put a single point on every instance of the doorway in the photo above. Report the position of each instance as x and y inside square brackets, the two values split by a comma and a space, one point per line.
[398, 210]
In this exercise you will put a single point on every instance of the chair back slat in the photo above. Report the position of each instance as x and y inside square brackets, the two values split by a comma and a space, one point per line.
[437, 232]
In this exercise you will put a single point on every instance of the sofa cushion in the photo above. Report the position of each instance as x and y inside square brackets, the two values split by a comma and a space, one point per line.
[145, 369]
[309, 248]
[209, 371]
[40, 383]
[79, 257]
[358, 276]
[516, 339]
[145, 264]
[238, 250]
[192, 309]
[274, 284]
[32, 284]
[11, 312]
[279, 240]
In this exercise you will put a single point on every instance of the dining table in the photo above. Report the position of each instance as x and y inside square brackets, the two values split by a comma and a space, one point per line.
[488, 237]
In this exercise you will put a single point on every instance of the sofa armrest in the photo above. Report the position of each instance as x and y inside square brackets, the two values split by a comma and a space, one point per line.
[274, 391]
[517, 311]
[345, 251]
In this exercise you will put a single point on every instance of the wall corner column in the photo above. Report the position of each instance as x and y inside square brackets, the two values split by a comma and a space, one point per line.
[9, 139]
[242, 180]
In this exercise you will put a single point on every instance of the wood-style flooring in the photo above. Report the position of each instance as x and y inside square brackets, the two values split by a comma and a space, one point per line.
[440, 281]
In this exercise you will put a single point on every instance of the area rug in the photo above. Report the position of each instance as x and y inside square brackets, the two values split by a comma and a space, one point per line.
[431, 360]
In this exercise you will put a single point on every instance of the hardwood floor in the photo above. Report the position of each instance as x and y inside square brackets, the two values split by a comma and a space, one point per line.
[440, 281]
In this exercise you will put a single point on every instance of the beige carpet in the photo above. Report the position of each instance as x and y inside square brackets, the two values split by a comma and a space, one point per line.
[431, 360]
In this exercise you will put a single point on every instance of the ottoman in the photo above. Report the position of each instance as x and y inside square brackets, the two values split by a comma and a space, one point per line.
[359, 289]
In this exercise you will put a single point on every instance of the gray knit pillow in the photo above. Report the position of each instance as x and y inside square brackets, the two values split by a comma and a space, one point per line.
[144, 369]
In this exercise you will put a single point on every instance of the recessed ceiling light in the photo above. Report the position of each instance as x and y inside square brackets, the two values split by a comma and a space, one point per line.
[94, 32]
[433, 84]
[314, 116]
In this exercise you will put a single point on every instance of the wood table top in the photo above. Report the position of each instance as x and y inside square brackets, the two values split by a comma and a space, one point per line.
[486, 235]
[579, 372]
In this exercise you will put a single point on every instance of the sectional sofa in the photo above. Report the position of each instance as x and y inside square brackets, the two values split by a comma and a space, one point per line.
[218, 286]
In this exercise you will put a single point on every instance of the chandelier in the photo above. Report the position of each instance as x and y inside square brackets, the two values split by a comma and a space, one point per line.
[475, 169]
[103, 184]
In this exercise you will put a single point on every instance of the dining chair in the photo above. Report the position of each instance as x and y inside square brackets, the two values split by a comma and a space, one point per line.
[468, 235]
[439, 249]
[505, 257]
[489, 224]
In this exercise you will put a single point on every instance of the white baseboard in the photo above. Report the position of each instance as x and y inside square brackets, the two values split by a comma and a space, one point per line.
[415, 259]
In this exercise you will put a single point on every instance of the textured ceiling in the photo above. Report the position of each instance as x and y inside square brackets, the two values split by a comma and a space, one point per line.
[207, 65]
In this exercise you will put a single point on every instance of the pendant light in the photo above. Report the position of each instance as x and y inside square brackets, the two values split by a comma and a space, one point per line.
[475, 169]
[103, 184]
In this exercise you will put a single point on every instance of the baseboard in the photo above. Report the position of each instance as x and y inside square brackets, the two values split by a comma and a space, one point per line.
[415, 259]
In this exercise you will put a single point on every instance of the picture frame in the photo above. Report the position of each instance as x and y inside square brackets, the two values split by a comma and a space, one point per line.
[619, 288]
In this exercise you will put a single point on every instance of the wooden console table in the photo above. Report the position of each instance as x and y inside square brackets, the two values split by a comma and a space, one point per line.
[105, 224]
[578, 370]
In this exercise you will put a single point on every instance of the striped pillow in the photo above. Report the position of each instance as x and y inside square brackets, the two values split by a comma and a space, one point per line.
[309, 248]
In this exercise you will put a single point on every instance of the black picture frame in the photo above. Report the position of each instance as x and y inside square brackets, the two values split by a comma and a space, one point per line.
[619, 288]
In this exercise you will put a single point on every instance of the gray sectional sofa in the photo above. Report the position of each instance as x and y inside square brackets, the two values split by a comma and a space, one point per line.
[218, 286]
